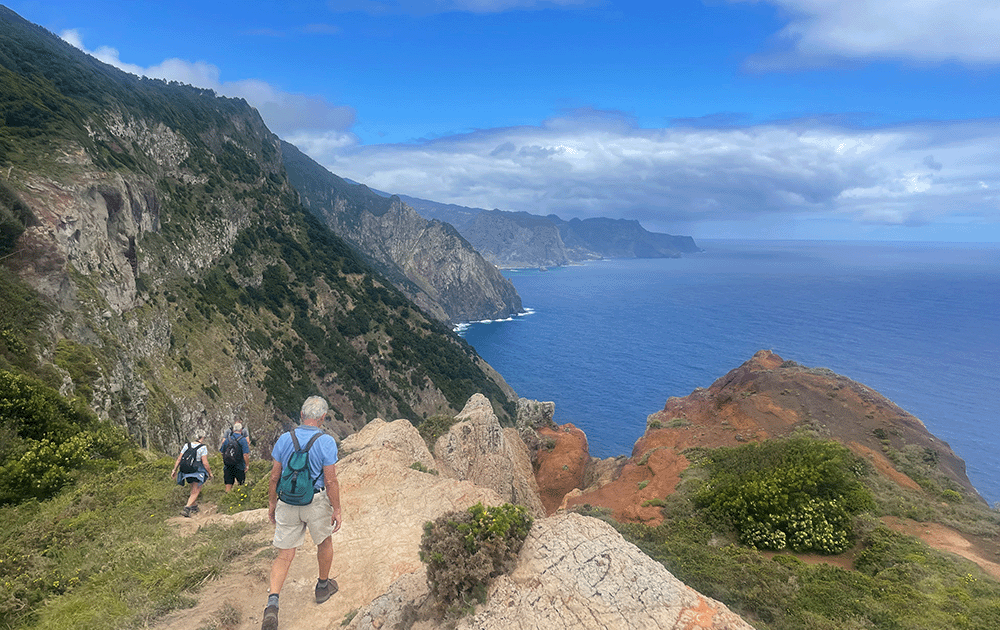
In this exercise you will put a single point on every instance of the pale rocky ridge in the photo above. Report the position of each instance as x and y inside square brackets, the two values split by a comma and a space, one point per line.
[573, 571]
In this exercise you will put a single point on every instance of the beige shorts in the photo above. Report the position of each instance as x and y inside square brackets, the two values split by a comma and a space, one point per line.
[292, 521]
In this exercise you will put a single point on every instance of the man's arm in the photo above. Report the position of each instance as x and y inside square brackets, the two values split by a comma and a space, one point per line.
[272, 489]
[333, 492]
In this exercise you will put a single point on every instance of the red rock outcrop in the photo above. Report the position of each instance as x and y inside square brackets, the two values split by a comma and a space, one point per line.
[763, 398]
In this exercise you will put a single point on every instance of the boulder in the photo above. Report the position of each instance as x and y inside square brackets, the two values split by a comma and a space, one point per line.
[478, 449]
[573, 572]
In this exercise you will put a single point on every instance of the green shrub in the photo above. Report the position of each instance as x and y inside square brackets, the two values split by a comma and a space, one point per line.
[79, 361]
[464, 550]
[434, 427]
[798, 493]
[48, 440]
[424, 469]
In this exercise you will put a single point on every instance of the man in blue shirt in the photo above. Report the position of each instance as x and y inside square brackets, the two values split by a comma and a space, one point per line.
[321, 517]
[236, 472]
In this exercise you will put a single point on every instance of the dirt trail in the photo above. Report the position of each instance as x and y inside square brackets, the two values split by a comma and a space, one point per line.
[236, 599]
[985, 553]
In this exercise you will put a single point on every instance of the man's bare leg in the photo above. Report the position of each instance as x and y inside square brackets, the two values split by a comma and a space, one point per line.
[324, 557]
[279, 570]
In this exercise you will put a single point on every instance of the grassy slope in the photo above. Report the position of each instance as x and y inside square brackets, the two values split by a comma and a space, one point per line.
[893, 581]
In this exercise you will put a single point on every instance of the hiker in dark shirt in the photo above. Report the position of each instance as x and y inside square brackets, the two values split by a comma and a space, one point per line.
[235, 471]
[196, 477]
[321, 516]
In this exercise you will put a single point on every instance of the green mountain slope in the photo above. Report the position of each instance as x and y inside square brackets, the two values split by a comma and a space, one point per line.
[158, 266]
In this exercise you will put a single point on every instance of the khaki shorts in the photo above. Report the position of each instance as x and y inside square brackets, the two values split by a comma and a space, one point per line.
[292, 521]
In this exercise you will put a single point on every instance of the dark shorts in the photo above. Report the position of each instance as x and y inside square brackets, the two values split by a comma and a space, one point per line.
[232, 474]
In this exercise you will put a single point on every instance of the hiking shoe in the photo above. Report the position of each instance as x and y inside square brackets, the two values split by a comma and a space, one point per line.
[186, 512]
[270, 618]
[323, 593]
[194, 508]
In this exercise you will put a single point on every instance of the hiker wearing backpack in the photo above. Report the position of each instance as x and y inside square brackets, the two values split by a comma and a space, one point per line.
[303, 493]
[192, 467]
[235, 456]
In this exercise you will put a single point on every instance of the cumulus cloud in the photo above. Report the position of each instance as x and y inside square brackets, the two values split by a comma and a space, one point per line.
[591, 163]
[285, 113]
[823, 31]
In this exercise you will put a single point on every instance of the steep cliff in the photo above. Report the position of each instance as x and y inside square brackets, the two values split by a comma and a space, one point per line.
[521, 239]
[619, 238]
[517, 239]
[427, 260]
[153, 239]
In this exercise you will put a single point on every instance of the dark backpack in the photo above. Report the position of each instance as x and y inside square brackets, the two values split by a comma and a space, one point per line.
[296, 484]
[189, 460]
[232, 451]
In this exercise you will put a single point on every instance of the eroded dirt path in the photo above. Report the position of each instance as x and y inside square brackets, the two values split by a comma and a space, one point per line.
[985, 553]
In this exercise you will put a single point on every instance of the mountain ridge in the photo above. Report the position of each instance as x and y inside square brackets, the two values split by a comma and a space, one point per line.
[521, 239]
[426, 259]
[155, 225]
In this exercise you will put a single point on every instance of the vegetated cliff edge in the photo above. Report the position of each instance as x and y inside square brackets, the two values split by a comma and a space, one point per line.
[156, 263]
[427, 260]
[766, 397]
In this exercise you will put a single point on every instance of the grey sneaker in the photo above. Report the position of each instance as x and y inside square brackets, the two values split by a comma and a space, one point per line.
[270, 618]
[323, 593]
[186, 512]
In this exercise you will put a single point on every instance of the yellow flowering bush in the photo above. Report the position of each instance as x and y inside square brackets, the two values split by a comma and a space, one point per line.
[798, 493]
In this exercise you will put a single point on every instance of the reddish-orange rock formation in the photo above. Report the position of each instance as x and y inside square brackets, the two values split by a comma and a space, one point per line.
[763, 398]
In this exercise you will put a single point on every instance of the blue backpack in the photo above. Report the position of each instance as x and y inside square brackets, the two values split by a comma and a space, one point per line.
[296, 484]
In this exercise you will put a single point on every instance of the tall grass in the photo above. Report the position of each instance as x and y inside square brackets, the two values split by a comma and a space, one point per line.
[101, 554]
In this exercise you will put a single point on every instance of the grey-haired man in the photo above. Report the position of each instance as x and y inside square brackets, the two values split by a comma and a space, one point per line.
[321, 517]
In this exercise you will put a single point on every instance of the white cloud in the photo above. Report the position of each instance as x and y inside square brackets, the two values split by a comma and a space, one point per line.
[584, 164]
[824, 31]
[285, 113]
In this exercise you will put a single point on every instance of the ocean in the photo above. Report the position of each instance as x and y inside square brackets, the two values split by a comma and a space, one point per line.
[610, 341]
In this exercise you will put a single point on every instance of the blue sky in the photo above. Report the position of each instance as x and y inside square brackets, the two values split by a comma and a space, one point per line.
[826, 119]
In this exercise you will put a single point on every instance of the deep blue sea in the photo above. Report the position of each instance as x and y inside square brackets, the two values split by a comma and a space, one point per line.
[610, 341]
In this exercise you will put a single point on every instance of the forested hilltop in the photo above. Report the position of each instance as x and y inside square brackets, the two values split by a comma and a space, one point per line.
[159, 270]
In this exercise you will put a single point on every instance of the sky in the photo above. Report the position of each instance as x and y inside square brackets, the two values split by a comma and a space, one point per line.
[767, 119]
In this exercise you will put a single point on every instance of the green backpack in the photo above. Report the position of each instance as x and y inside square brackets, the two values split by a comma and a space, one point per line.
[296, 484]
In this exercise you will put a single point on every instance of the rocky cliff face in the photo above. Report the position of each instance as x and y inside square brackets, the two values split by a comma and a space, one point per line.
[478, 449]
[619, 238]
[520, 239]
[427, 260]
